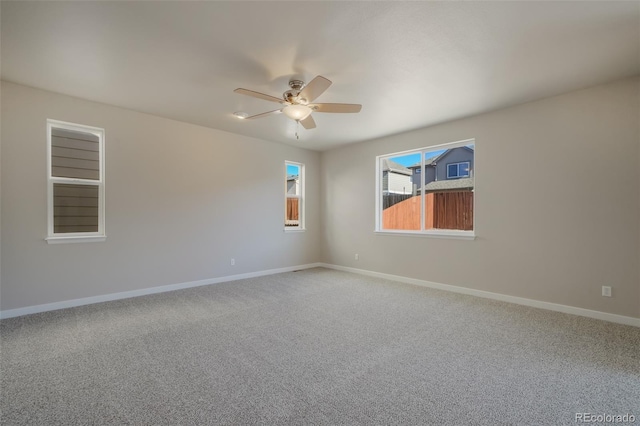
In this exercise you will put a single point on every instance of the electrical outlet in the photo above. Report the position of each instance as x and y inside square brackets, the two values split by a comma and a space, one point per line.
[357, 256]
[233, 262]
[606, 291]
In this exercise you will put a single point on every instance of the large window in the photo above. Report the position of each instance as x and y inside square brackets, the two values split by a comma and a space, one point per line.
[75, 182]
[428, 191]
[294, 196]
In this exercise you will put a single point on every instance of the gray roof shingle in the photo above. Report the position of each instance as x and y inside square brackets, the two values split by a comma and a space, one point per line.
[389, 165]
[441, 185]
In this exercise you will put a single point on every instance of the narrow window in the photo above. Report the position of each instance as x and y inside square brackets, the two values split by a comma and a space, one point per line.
[427, 191]
[75, 182]
[294, 196]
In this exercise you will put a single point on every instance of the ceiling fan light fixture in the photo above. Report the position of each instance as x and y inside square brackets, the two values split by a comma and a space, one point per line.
[297, 112]
[299, 102]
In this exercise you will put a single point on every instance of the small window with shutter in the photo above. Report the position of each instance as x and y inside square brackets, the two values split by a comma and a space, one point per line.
[76, 182]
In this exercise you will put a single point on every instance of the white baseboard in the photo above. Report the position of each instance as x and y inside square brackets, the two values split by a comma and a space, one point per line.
[620, 319]
[145, 291]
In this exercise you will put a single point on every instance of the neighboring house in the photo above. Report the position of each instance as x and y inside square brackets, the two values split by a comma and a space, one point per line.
[292, 217]
[293, 185]
[429, 171]
[396, 178]
[453, 169]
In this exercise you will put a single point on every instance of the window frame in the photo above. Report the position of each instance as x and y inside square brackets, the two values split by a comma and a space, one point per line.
[75, 237]
[458, 176]
[301, 227]
[437, 233]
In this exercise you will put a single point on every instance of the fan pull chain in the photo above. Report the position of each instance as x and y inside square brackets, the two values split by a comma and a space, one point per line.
[297, 127]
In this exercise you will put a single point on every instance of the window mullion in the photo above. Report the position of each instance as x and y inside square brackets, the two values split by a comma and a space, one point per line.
[75, 181]
[422, 191]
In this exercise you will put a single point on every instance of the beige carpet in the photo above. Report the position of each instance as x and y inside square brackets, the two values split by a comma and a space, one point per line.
[314, 347]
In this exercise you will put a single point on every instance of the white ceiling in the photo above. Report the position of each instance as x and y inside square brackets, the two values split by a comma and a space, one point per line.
[410, 64]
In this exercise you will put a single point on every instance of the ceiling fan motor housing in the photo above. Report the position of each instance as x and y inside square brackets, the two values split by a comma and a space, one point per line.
[292, 95]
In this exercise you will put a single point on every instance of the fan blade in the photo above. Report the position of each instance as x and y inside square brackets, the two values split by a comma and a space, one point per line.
[275, 111]
[336, 107]
[308, 123]
[315, 88]
[259, 95]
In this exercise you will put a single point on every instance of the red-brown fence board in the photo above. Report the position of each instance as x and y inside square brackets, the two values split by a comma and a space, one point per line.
[453, 210]
[403, 215]
[443, 210]
[292, 209]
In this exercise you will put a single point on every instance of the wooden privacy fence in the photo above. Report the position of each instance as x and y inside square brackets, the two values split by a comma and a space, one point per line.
[389, 200]
[402, 215]
[443, 210]
[453, 210]
[292, 217]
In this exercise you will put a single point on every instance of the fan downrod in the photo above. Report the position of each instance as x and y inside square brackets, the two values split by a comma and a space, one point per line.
[296, 84]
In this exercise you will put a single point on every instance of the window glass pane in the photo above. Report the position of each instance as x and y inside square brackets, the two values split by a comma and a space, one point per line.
[463, 169]
[400, 202]
[293, 179]
[75, 154]
[293, 212]
[452, 170]
[449, 210]
[75, 208]
[294, 190]
[449, 202]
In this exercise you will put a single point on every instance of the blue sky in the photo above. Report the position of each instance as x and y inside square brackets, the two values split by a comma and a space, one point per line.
[411, 159]
[292, 170]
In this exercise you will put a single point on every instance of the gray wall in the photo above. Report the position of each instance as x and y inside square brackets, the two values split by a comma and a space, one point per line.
[556, 238]
[181, 200]
[178, 209]
[429, 175]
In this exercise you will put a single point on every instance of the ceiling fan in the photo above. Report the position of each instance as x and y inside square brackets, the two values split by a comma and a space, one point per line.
[298, 101]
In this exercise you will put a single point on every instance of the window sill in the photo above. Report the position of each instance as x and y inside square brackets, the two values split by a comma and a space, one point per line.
[75, 239]
[288, 230]
[450, 234]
